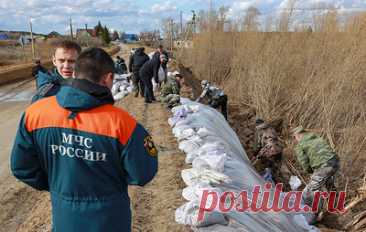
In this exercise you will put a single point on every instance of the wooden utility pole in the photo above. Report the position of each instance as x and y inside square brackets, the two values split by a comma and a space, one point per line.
[171, 23]
[210, 25]
[72, 35]
[32, 41]
[193, 22]
[181, 24]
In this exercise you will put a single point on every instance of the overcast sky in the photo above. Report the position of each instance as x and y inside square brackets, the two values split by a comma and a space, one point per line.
[132, 15]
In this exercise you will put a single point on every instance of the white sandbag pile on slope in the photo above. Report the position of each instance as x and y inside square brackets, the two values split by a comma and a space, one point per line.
[121, 86]
[220, 164]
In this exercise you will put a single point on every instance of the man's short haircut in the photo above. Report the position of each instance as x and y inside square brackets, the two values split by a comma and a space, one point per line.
[92, 64]
[67, 45]
[161, 46]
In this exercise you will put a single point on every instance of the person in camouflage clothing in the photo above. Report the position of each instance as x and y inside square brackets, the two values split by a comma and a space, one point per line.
[170, 90]
[316, 157]
[216, 97]
[268, 148]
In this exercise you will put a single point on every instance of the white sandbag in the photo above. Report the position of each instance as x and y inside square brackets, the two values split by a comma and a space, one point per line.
[294, 182]
[185, 134]
[304, 221]
[194, 192]
[119, 96]
[177, 131]
[220, 228]
[190, 157]
[187, 214]
[162, 75]
[203, 132]
[121, 87]
[188, 146]
[114, 89]
[211, 161]
[217, 140]
[215, 148]
[122, 76]
[194, 176]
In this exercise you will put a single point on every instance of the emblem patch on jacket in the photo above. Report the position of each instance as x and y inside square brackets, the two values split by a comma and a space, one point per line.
[150, 146]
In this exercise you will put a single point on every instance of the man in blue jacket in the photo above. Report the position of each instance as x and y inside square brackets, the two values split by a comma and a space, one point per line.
[84, 150]
[48, 83]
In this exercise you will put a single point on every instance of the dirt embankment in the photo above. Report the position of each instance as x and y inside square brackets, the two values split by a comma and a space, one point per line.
[242, 120]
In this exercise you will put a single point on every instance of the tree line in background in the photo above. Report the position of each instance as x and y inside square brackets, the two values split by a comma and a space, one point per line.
[103, 33]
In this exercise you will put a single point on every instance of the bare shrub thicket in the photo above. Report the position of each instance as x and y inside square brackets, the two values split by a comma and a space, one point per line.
[315, 77]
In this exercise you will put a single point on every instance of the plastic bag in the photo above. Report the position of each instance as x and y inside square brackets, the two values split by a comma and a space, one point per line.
[187, 214]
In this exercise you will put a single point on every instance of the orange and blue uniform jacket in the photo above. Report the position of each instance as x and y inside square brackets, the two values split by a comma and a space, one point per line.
[85, 152]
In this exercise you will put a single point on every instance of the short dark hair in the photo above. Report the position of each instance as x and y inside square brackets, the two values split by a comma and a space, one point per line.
[161, 46]
[92, 64]
[67, 44]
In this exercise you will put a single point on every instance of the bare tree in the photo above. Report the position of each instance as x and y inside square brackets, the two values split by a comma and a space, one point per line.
[286, 15]
[250, 21]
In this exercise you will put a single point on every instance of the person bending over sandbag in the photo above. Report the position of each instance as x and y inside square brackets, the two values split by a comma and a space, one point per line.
[316, 157]
[216, 97]
[267, 148]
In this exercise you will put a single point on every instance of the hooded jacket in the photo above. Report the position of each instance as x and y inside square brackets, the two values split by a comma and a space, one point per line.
[48, 77]
[137, 60]
[85, 152]
[48, 84]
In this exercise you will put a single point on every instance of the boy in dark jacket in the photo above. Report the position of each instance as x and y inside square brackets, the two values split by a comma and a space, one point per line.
[137, 60]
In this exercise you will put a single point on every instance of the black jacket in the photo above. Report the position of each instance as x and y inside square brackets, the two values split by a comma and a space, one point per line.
[150, 69]
[137, 60]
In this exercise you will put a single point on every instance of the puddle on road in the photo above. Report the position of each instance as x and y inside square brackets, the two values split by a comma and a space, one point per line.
[22, 96]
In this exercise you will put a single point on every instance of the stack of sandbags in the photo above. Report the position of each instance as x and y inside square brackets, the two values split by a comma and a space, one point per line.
[220, 164]
[121, 86]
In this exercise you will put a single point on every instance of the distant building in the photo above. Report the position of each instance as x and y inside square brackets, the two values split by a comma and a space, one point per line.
[25, 39]
[4, 36]
[53, 34]
[130, 38]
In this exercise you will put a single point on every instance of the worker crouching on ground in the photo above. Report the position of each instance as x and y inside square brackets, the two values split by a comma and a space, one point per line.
[120, 66]
[316, 157]
[268, 149]
[148, 71]
[84, 150]
[170, 90]
[216, 97]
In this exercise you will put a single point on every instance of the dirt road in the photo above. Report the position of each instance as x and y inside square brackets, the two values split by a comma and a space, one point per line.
[25, 210]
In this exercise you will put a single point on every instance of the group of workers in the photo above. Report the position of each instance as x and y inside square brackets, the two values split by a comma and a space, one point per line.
[74, 143]
[313, 153]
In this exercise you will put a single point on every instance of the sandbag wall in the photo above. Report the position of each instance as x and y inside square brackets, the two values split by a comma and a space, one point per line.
[122, 86]
[220, 164]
